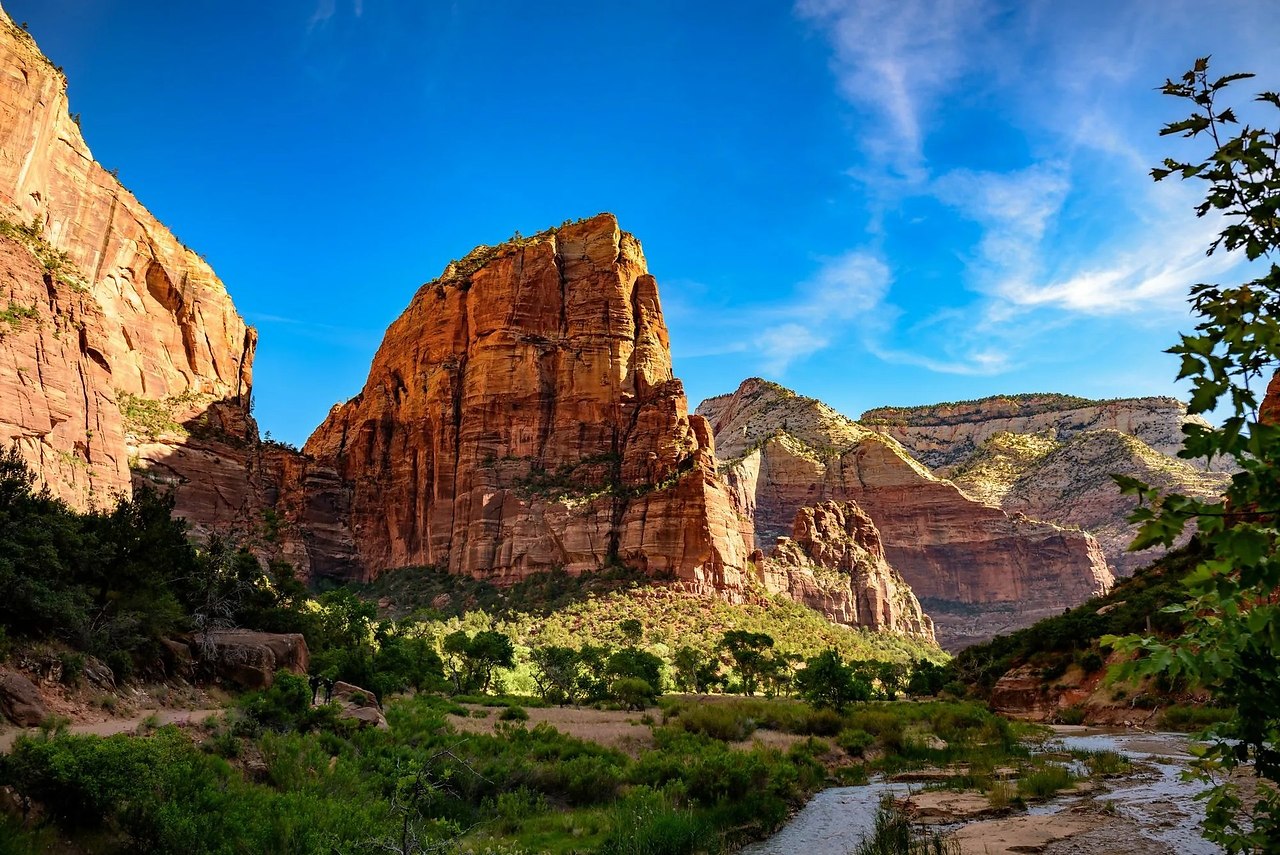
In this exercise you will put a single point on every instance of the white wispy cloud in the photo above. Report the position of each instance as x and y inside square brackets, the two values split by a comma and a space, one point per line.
[1074, 231]
[897, 58]
[847, 296]
[326, 9]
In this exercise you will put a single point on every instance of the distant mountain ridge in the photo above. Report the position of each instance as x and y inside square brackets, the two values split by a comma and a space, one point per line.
[976, 569]
[942, 435]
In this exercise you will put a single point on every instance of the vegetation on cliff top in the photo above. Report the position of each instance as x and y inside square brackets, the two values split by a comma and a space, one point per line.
[995, 406]
[54, 261]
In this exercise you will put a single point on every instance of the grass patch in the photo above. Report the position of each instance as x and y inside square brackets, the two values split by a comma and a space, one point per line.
[1187, 718]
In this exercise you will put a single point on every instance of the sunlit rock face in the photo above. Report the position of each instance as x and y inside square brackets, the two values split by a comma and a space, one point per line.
[522, 415]
[1051, 457]
[112, 319]
[976, 569]
[834, 562]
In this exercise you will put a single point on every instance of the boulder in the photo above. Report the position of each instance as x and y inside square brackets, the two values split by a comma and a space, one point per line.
[250, 659]
[359, 705]
[20, 700]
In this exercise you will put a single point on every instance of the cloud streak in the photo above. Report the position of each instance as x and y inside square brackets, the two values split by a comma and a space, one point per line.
[1069, 227]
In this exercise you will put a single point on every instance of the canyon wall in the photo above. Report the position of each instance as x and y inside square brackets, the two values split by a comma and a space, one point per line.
[976, 569]
[834, 562]
[109, 315]
[522, 415]
[941, 435]
[1052, 457]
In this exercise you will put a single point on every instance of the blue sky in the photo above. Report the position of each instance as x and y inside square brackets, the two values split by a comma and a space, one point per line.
[871, 202]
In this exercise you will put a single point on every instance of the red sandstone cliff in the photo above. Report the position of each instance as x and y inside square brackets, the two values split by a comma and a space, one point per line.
[976, 569]
[111, 311]
[522, 415]
[834, 562]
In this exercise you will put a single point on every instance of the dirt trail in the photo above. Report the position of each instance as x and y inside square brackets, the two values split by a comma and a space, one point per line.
[111, 726]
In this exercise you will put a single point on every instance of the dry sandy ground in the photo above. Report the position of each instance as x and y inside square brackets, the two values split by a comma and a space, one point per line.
[625, 731]
[111, 726]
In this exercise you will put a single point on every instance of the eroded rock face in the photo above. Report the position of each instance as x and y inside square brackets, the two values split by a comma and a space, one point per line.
[522, 415]
[977, 570]
[20, 700]
[834, 563]
[1069, 483]
[250, 659]
[945, 434]
[118, 318]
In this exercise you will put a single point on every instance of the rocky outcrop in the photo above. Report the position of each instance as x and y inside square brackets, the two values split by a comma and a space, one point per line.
[358, 705]
[522, 415]
[20, 700]
[976, 569]
[1269, 411]
[942, 435]
[250, 659]
[110, 317]
[834, 563]
[1069, 483]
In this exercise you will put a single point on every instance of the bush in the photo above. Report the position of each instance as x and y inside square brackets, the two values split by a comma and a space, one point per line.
[822, 722]
[855, 741]
[1071, 715]
[718, 721]
[514, 713]
[1044, 782]
[646, 823]
[633, 692]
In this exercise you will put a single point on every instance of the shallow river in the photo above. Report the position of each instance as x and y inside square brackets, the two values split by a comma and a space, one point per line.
[1163, 806]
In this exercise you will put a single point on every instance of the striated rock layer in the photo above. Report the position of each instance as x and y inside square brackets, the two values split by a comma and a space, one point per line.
[1052, 456]
[834, 562]
[977, 570]
[943, 435]
[1069, 482]
[522, 415]
[108, 313]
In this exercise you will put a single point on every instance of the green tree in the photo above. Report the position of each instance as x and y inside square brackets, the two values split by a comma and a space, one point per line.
[750, 659]
[557, 672]
[926, 678]
[631, 663]
[1231, 643]
[471, 659]
[826, 681]
[694, 671]
[632, 631]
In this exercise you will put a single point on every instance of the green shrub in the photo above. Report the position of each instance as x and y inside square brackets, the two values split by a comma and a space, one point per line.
[855, 741]
[822, 722]
[514, 713]
[633, 692]
[1044, 782]
[718, 721]
[1192, 718]
[1071, 715]
[646, 823]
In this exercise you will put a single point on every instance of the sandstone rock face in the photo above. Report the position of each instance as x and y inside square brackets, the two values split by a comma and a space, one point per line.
[976, 569]
[114, 316]
[1069, 483]
[359, 705]
[20, 700]
[945, 434]
[834, 563]
[522, 415]
[1269, 411]
[250, 659]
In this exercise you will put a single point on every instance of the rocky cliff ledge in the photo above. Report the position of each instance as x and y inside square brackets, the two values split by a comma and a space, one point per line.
[102, 309]
[522, 415]
[1052, 456]
[942, 435]
[834, 562]
[977, 570]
